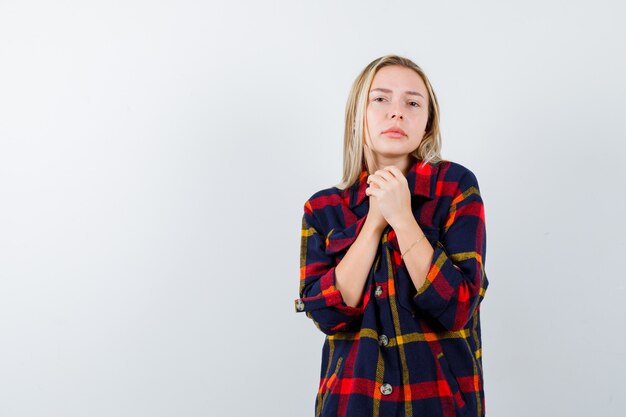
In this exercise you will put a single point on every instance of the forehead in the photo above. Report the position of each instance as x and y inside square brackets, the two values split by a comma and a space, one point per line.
[399, 79]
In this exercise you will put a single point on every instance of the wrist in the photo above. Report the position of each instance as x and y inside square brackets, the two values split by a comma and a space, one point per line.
[372, 227]
[405, 222]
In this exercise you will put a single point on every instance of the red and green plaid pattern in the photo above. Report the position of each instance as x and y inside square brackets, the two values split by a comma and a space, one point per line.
[402, 351]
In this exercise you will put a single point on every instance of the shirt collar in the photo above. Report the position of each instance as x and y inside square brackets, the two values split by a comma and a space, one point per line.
[421, 181]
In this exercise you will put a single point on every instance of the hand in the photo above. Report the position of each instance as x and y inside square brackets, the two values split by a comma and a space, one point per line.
[390, 189]
[374, 216]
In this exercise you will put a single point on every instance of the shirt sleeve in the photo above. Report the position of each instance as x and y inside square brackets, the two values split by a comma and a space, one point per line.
[319, 297]
[456, 281]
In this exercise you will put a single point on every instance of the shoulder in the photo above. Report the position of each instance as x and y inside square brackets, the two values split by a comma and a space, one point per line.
[325, 208]
[455, 172]
[325, 199]
[329, 192]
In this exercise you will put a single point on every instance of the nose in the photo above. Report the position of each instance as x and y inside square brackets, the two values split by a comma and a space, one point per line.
[395, 113]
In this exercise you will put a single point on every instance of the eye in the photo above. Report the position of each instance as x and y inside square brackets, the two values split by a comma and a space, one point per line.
[415, 104]
[376, 98]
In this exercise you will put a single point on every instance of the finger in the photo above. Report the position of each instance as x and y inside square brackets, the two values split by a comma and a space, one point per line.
[372, 192]
[398, 176]
[376, 180]
[395, 171]
[385, 173]
[392, 169]
[371, 177]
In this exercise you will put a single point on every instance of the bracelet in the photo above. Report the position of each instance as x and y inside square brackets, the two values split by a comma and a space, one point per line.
[402, 256]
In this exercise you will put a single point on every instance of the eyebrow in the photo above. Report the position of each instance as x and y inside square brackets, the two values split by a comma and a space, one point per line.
[386, 90]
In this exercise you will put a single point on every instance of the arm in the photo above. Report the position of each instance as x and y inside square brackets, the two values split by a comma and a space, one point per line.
[417, 250]
[352, 271]
[324, 284]
[454, 283]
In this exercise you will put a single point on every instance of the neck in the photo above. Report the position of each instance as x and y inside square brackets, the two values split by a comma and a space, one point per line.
[403, 163]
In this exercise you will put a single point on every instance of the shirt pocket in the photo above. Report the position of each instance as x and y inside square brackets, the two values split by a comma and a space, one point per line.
[457, 395]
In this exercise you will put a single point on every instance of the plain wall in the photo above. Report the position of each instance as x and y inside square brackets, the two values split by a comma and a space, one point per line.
[154, 162]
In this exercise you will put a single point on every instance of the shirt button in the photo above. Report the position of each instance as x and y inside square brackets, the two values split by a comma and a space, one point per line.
[299, 305]
[379, 291]
[386, 389]
[383, 340]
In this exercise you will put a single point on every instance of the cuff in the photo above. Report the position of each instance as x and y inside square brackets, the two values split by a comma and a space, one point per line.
[329, 296]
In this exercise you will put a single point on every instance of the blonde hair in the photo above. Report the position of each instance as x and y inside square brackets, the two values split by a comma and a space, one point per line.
[354, 161]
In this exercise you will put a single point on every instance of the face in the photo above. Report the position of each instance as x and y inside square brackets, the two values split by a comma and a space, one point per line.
[398, 99]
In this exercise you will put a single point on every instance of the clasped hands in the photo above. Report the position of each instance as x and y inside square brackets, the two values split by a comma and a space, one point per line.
[391, 202]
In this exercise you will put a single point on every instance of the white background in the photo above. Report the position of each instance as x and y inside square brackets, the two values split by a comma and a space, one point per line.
[155, 157]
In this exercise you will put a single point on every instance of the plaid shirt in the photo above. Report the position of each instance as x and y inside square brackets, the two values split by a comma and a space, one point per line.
[401, 352]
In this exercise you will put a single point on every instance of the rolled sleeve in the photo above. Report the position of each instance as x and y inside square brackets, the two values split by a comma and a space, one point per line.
[319, 297]
[456, 281]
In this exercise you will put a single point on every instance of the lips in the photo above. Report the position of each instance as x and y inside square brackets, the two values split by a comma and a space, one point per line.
[394, 132]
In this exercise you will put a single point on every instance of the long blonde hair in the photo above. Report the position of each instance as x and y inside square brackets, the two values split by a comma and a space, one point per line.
[354, 161]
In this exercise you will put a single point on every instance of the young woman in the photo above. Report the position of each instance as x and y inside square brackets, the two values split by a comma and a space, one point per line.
[393, 260]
